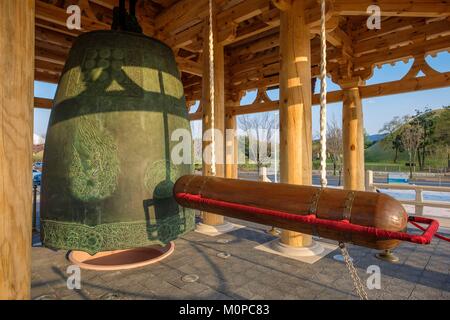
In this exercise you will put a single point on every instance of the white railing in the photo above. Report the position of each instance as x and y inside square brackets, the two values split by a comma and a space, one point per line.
[263, 175]
[419, 203]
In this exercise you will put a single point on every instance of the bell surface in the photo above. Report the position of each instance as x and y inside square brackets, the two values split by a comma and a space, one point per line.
[108, 177]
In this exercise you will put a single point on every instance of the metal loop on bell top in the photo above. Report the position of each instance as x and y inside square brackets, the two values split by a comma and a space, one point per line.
[126, 21]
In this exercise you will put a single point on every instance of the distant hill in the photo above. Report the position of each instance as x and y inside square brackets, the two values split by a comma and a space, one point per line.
[383, 153]
[382, 150]
[376, 137]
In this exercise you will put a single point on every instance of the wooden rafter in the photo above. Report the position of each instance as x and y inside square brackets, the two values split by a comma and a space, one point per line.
[410, 8]
[250, 31]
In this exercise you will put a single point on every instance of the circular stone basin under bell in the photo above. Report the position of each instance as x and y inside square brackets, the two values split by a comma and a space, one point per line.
[121, 259]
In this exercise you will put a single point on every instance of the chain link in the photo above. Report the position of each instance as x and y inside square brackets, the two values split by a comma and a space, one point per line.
[357, 283]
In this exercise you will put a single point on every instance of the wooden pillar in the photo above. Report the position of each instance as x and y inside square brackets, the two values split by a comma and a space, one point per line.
[16, 140]
[295, 106]
[231, 155]
[353, 136]
[219, 112]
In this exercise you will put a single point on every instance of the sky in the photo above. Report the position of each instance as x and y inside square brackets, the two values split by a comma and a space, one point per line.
[377, 111]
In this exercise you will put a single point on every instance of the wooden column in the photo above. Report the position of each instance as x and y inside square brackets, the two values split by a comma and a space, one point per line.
[219, 112]
[231, 156]
[295, 106]
[353, 136]
[16, 140]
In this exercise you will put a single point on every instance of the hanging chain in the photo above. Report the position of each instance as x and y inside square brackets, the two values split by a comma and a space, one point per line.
[357, 283]
[323, 97]
[211, 89]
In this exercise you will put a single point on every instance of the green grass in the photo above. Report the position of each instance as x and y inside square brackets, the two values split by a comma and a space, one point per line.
[382, 152]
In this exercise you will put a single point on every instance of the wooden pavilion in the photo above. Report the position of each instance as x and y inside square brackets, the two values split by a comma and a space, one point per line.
[259, 44]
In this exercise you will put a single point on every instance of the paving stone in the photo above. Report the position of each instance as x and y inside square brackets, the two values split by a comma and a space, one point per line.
[343, 284]
[211, 294]
[74, 297]
[275, 294]
[42, 290]
[245, 292]
[390, 296]
[424, 292]
[401, 291]
[255, 288]
[168, 291]
[94, 290]
[423, 273]
[236, 279]
[195, 287]
[331, 294]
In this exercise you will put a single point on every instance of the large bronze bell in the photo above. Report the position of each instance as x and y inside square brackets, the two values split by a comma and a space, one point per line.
[108, 178]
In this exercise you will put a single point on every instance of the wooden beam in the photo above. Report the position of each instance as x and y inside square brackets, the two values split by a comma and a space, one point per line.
[420, 30]
[182, 14]
[45, 25]
[47, 46]
[58, 16]
[243, 11]
[185, 38]
[400, 53]
[50, 56]
[110, 4]
[410, 8]
[48, 67]
[54, 37]
[40, 75]
[189, 66]
[441, 80]
[257, 46]
[393, 24]
[282, 5]
[43, 103]
[332, 97]
[253, 108]
[195, 116]
[265, 22]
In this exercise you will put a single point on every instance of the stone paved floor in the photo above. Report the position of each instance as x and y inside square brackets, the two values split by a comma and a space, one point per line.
[423, 273]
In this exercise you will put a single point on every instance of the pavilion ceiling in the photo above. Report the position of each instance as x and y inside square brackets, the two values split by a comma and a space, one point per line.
[250, 32]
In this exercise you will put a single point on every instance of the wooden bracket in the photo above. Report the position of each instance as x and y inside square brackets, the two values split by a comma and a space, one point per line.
[282, 5]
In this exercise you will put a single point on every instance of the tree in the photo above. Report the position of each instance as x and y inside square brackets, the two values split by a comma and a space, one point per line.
[393, 138]
[427, 122]
[441, 130]
[392, 126]
[334, 143]
[412, 135]
[260, 129]
[397, 145]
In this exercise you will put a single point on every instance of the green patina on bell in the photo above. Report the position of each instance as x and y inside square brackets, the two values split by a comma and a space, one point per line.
[107, 181]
